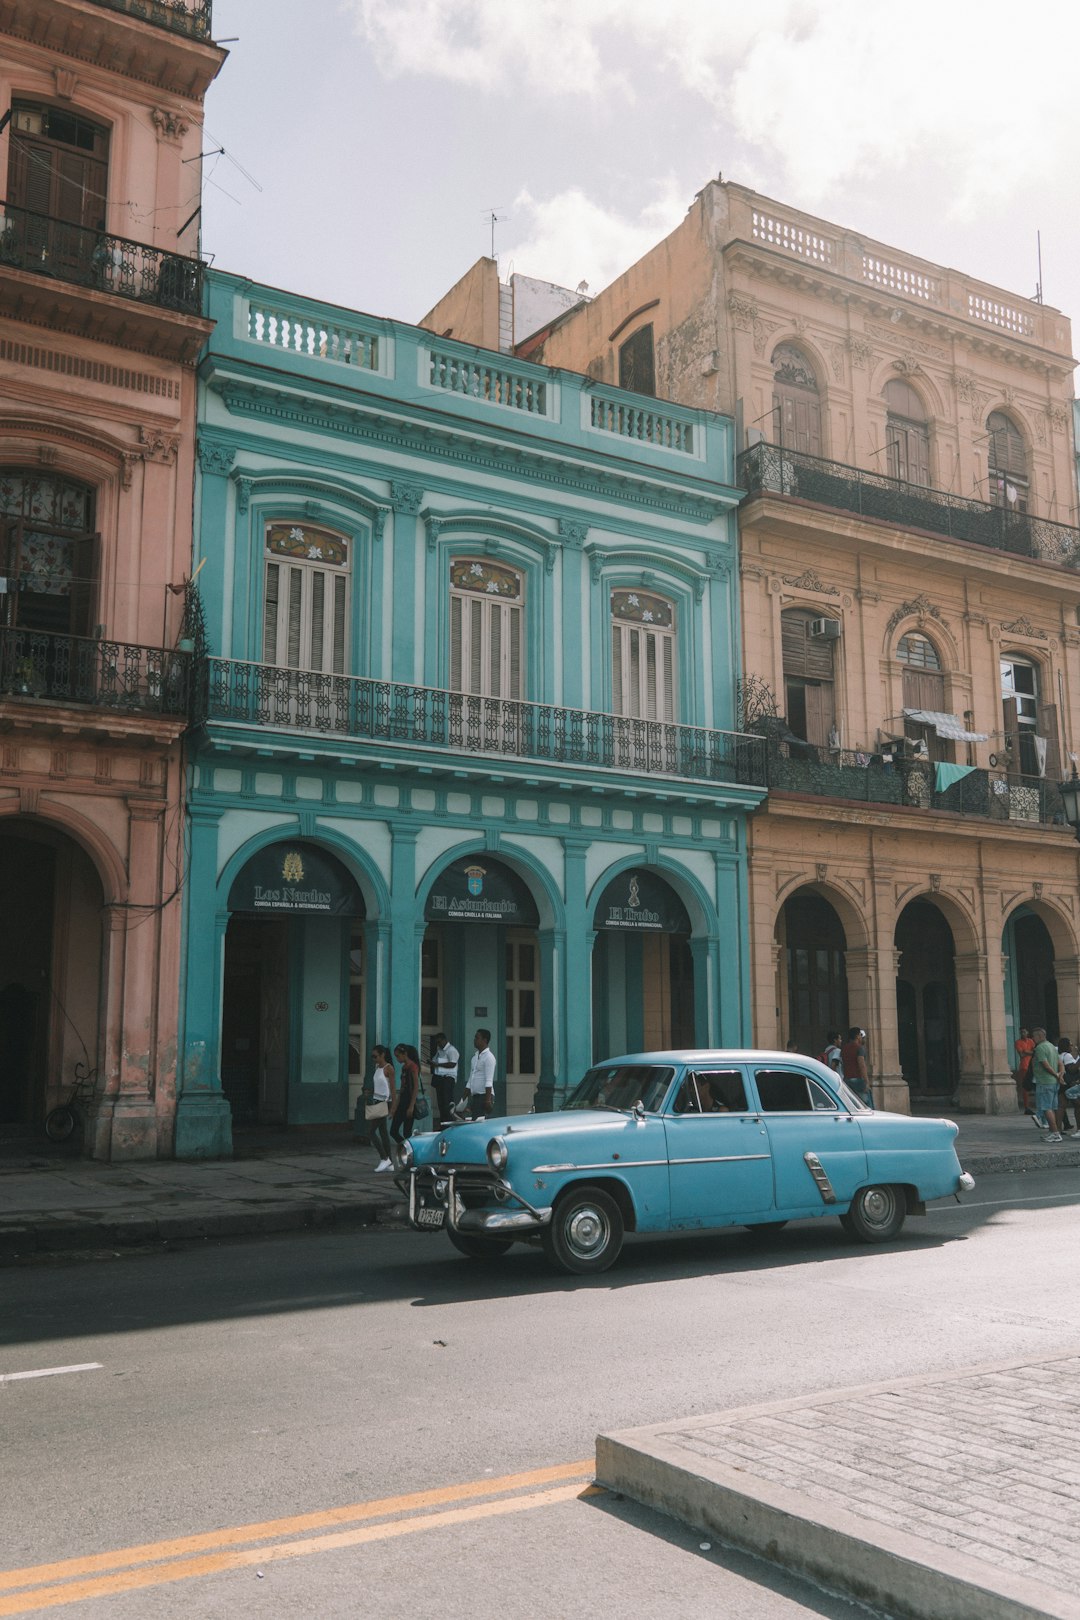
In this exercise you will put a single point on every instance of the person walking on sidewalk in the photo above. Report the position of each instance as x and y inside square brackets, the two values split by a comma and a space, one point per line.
[1069, 1072]
[853, 1065]
[444, 1072]
[1024, 1046]
[482, 1076]
[409, 1089]
[1046, 1066]
[383, 1101]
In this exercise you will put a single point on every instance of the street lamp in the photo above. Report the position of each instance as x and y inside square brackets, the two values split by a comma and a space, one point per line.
[1070, 801]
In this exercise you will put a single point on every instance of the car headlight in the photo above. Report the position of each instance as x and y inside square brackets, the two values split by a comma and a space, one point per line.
[405, 1155]
[497, 1154]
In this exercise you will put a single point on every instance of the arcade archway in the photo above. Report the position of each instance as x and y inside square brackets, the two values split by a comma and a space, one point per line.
[926, 1001]
[642, 967]
[813, 948]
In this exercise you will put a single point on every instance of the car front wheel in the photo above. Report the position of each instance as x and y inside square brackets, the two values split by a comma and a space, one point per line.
[876, 1214]
[479, 1248]
[585, 1233]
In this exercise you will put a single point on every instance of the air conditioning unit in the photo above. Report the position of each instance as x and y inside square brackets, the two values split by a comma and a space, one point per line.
[824, 629]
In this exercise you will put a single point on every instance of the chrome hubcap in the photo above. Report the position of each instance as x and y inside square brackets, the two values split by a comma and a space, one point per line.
[878, 1205]
[586, 1231]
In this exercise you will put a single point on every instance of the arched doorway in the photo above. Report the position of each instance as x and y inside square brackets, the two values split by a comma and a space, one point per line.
[50, 968]
[480, 969]
[926, 1009]
[642, 967]
[813, 945]
[293, 1042]
[1031, 992]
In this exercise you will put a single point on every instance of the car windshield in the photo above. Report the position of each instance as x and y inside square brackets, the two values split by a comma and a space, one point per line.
[621, 1086]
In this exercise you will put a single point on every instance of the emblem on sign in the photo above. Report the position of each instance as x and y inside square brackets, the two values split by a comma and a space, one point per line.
[475, 876]
[635, 893]
[292, 868]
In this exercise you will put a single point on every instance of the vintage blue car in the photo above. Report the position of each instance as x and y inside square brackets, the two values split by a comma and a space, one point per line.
[677, 1142]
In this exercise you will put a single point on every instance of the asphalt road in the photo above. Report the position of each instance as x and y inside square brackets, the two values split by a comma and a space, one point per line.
[385, 1424]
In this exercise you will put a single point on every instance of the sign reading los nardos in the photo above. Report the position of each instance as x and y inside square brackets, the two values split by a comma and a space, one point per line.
[295, 878]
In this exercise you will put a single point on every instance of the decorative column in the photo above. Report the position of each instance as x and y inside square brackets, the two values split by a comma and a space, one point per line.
[705, 955]
[871, 982]
[406, 500]
[1000, 1056]
[575, 1035]
[215, 464]
[406, 932]
[732, 989]
[978, 1092]
[552, 945]
[203, 1115]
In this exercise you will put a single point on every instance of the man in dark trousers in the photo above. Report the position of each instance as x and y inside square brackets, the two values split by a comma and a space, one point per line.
[853, 1065]
[443, 1064]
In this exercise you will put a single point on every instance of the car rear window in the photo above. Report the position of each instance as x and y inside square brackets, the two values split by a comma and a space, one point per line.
[785, 1091]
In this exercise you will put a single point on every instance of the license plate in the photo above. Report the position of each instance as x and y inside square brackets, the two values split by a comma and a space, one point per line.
[430, 1217]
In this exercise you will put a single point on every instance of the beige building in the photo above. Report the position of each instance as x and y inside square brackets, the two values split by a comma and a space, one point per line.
[910, 598]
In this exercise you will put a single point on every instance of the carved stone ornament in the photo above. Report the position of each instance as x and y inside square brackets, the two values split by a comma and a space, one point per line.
[66, 83]
[743, 312]
[170, 124]
[406, 498]
[836, 360]
[861, 352]
[907, 365]
[378, 523]
[810, 580]
[1058, 417]
[573, 532]
[935, 881]
[1037, 889]
[916, 345]
[1023, 627]
[968, 390]
[216, 458]
[921, 607]
[243, 495]
[432, 530]
[158, 446]
[48, 455]
[313, 509]
[128, 460]
[822, 871]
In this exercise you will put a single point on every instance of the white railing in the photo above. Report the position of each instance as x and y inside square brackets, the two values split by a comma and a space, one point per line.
[496, 384]
[319, 340]
[780, 233]
[991, 313]
[643, 425]
[898, 278]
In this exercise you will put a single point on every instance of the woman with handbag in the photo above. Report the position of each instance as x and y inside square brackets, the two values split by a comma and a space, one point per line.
[401, 1126]
[383, 1099]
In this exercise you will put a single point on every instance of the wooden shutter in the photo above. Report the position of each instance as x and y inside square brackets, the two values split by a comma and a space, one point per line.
[1012, 731]
[11, 531]
[85, 561]
[805, 657]
[924, 690]
[820, 715]
[1048, 728]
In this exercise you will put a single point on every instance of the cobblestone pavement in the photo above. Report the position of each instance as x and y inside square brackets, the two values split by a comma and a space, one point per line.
[987, 1464]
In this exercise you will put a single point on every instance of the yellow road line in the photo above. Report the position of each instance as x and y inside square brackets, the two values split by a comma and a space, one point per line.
[50, 1597]
[153, 1551]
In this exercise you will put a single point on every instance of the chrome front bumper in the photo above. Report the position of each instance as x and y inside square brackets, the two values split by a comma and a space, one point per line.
[435, 1200]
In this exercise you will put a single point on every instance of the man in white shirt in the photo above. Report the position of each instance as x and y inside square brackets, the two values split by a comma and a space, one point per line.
[444, 1072]
[482, 1076]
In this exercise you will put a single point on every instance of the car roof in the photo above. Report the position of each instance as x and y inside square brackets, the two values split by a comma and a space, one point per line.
[710, 1054]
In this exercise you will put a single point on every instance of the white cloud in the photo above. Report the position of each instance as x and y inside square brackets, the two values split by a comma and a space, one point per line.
[570, 238]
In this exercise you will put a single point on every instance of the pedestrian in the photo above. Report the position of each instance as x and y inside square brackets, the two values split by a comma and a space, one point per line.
[831, 1055]
[1024, 1046]
[1069, 1073]
[853, 1065]
[1072, 1083]
[1047, 1069]
[792, 1045]
[401, 1125]
[482, 1076]
[383, 1102]
[443, 1064]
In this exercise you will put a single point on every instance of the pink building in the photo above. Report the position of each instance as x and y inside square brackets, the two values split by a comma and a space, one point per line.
[101, 324]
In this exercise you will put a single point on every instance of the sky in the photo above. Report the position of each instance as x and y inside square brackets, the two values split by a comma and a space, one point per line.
[367, 142]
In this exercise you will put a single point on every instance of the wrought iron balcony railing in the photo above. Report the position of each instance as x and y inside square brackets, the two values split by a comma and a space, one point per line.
[191, 17]
[293, 700]
[110, 264]
[99, 674]
[868, 778]
[770, 469]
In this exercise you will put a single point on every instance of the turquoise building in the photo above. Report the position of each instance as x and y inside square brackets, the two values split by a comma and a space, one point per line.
[467, 754]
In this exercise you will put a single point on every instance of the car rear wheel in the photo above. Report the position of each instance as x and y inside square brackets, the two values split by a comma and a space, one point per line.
[585, 1233]
[876, 1214]
[479, 1248]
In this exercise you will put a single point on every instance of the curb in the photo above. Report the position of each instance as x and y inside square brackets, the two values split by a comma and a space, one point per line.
[660, 1467]
[19, 1239]
[1040, 1156]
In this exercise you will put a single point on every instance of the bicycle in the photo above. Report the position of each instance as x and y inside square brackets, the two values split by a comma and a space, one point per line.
[61, 1122]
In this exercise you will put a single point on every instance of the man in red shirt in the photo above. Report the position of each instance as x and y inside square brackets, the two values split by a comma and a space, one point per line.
[853, 1065]
[1025, 1046]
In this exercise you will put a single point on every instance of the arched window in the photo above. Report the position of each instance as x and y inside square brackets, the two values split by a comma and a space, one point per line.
[637, 363]
[918, 652]
[58, 165]
[1007, 463]
[306, 604]
[1030, 725]
[643, 668]
[48, 552]
[486, 630]
[796, 406]
[924, 689]
[907, 437]
[808, 678]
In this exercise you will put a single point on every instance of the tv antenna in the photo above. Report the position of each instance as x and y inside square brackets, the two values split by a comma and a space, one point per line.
[494, 218]
[1038, 251]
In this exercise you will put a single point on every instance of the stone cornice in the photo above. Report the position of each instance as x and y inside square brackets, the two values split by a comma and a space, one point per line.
[456, 442]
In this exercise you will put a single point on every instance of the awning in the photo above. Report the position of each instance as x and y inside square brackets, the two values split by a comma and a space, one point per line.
[946, 725]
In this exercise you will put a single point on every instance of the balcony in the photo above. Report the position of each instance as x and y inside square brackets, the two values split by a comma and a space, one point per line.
[867, 778]
[37, 668]
[767, 469]
[190, 17]
[457, 725]
[137, 296]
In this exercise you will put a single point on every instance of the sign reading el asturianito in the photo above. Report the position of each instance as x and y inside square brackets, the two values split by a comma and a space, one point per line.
[477, 889]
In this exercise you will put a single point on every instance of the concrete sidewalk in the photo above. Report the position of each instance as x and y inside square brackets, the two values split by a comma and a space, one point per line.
[281, 1181]
[923, 1497]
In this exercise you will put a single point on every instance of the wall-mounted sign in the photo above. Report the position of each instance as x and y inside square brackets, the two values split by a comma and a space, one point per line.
[640, 900]
[478, 889]
[295, 878]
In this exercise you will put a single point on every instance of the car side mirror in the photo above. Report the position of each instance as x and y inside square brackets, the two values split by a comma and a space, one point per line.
[639, 1111]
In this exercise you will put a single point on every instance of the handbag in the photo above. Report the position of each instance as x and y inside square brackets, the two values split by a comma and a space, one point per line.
[376, 1110]
[1073, 1093]
[421, 1107]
